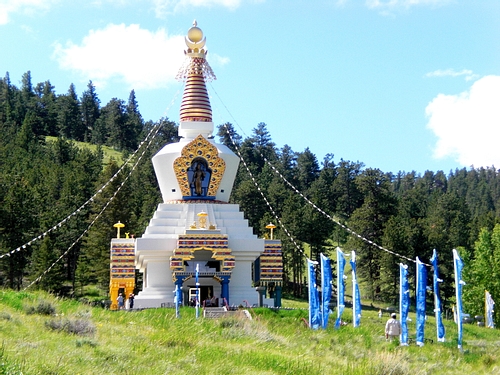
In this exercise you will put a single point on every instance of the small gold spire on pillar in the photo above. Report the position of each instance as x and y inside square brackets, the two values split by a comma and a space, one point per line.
[271, 226]
[118, 226]
[203, 219]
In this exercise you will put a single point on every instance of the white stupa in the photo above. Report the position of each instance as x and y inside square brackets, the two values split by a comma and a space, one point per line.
[195, 227]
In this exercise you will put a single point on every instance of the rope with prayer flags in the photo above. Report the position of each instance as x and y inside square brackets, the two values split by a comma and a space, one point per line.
[404, 302]
[437, 298]
[356, 305]
[489, 305]
[458, 265]
[421, 301]
[326, 289]
[340, 287]
[314, 314]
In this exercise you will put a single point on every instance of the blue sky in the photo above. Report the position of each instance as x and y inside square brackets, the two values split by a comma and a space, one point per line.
[399, 85]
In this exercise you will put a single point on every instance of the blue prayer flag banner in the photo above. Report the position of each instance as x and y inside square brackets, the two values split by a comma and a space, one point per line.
[197, 302]
[458, 265]
[421, 301]
[340, 287]
[356, 307]
[489, 305]
[404, 301]
[437, 298]
[326, 289]
[314, 314]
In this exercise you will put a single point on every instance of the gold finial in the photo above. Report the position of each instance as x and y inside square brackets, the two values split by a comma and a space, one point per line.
[194, 33]
[118, 226]
[195, 41]
[271, 226]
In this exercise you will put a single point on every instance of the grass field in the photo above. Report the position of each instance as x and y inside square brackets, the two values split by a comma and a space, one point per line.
[40, 334]
[108, 152]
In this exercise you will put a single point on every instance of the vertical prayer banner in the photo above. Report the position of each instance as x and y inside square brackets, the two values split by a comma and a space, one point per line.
[437, 298]
[489, 308]
[326, 289]
[421, 301]
[340, 287]
[356, 305]
[197, 302]
[404, 302]
[314, 314]
[458, 265]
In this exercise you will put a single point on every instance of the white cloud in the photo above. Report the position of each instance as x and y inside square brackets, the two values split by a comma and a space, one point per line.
[139, 57]
[29, 7]
[468, 125]
[469, 74]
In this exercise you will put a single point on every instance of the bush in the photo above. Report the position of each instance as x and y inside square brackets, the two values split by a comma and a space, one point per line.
[5, 316]
[43, 308]
[72, 326]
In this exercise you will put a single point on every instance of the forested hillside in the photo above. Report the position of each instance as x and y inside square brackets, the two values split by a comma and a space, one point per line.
[41, 183]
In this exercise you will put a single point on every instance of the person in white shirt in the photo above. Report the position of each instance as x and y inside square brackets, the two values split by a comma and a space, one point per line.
[392, 328]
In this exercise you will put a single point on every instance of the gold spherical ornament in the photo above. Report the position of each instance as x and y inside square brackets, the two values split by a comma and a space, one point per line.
[195, 34]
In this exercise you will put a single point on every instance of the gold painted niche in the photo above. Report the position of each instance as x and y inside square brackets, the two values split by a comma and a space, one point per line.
[199, 148]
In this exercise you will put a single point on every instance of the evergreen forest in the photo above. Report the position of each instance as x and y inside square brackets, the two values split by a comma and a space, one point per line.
[52, 162]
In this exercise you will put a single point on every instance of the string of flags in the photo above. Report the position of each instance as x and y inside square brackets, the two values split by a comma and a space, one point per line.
[149, 138]
[99, 214]
[292, 239]
[275, 170]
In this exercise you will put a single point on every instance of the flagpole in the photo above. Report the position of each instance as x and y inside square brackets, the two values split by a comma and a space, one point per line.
[338, 284]
[458, 288]
[401, 301]
[353, 259]
[197, 292]
[485, 308]
[176, 301]
[437, 311]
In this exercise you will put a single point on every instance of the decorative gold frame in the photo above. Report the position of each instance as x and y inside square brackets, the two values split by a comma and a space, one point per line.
[199, 148]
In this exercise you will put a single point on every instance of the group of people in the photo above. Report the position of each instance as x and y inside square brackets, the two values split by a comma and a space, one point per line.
[121, 301]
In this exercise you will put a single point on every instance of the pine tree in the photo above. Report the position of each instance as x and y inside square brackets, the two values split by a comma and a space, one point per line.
[69, 120]
[369, 221]
[90, 105]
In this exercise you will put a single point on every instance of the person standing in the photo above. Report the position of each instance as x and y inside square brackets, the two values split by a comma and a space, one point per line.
[392, 328]
[121, 302]
[131, 300]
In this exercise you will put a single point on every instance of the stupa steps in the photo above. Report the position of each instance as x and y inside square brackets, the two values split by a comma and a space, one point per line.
[192, 215]
[185, 223]
[237, 228]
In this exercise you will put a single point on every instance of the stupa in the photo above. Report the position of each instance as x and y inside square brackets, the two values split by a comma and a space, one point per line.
[195, 230]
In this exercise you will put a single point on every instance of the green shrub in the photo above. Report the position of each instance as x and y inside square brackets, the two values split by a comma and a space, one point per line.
[5, 316]
[43, 308]
[72, 326]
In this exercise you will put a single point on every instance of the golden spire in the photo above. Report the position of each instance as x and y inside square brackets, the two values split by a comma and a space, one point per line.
[271, 226]
[118, 226]
[195, 72]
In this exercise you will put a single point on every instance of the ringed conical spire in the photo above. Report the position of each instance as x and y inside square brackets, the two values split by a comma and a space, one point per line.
[195, 106]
